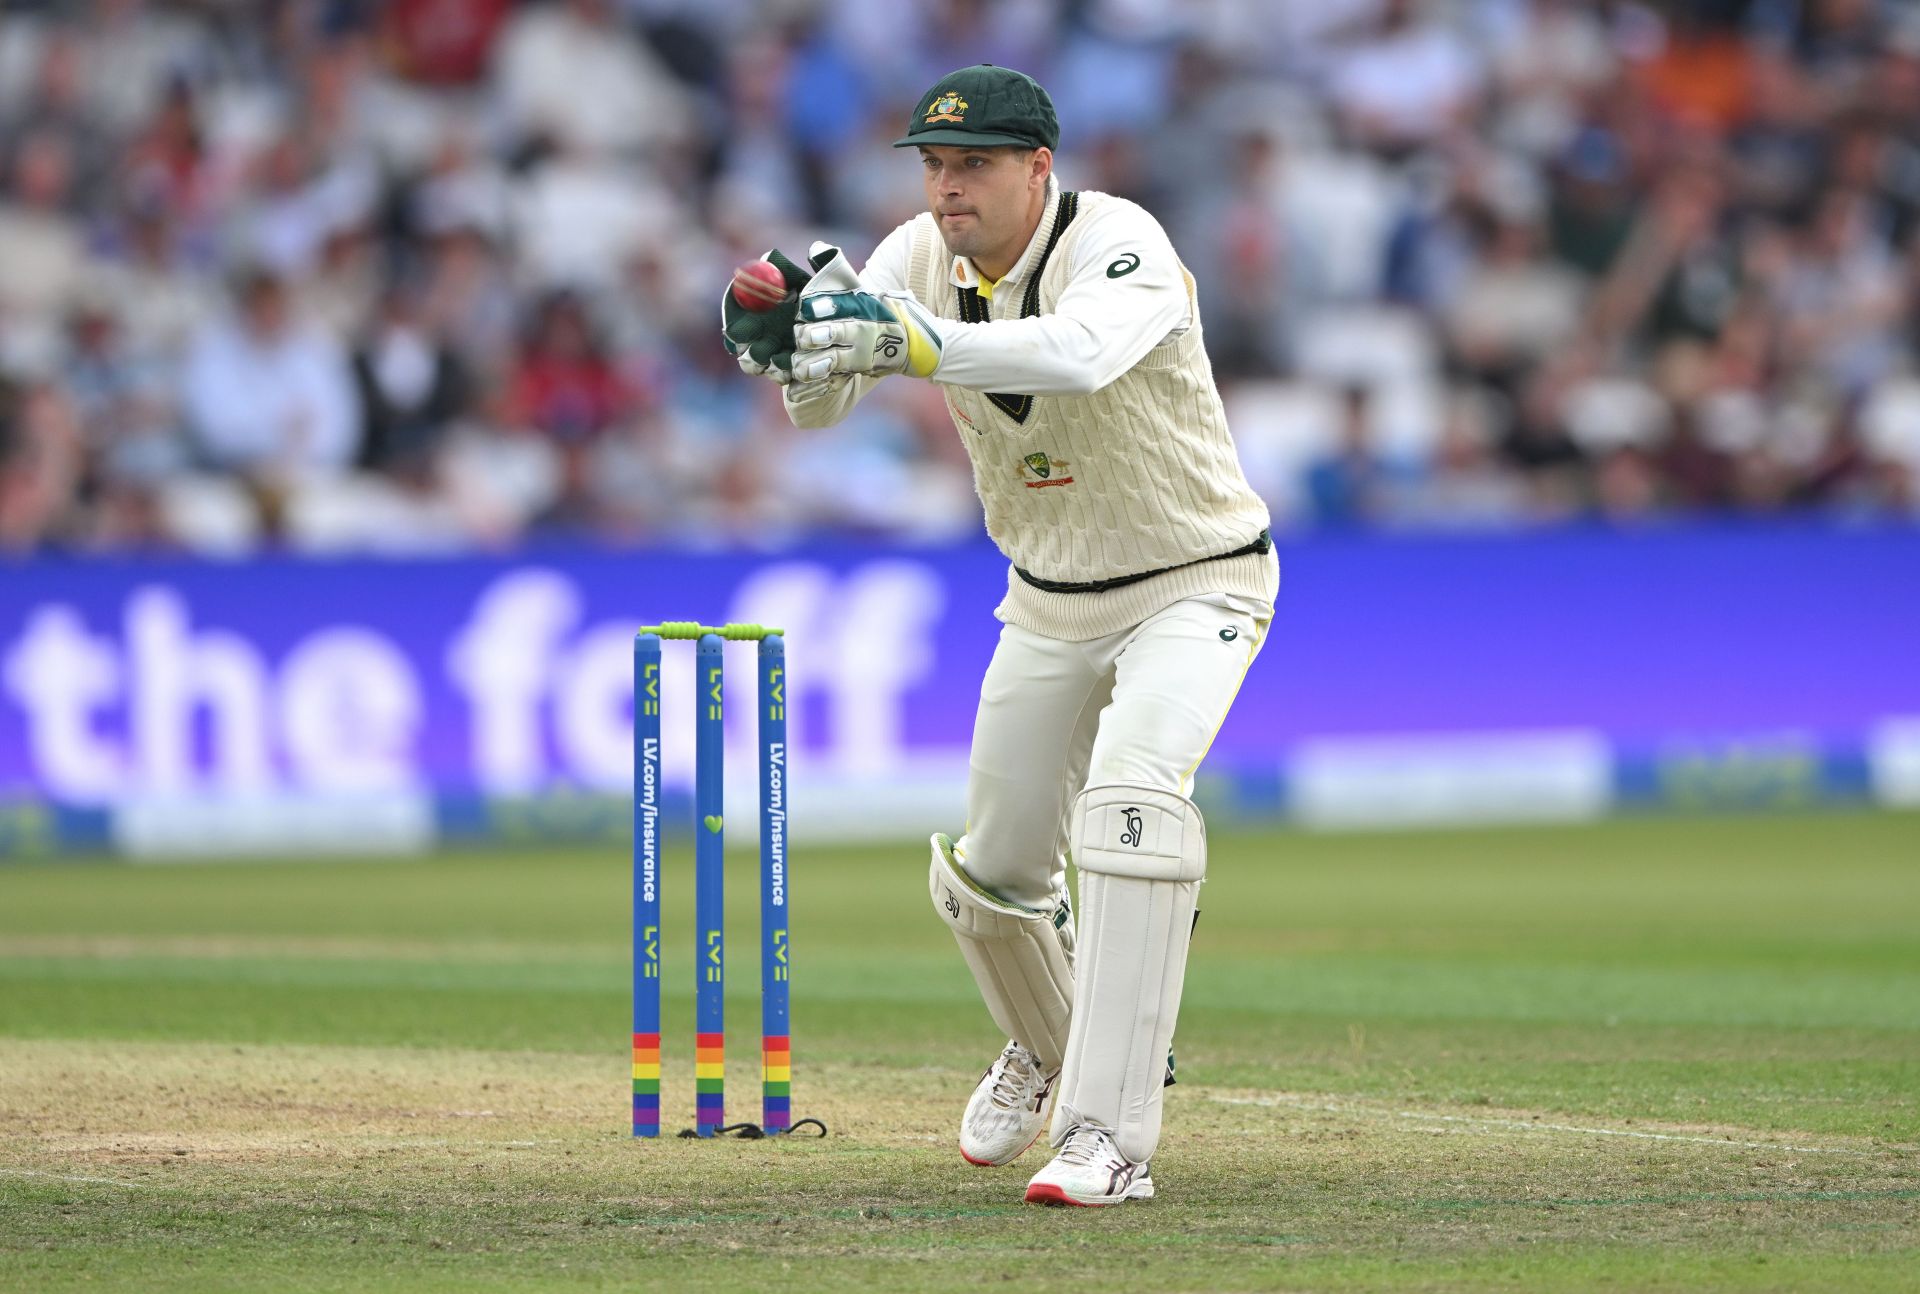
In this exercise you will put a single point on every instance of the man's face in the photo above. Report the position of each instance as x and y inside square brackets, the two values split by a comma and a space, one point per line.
[983, 198]
[264, 303]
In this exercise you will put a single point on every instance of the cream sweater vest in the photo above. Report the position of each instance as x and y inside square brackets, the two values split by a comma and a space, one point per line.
[1139, 476]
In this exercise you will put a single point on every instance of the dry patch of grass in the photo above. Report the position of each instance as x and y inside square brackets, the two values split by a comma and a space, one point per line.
[411, 1159]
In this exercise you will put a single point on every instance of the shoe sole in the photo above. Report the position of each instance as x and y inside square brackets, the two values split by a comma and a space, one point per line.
[1048, 1193]
[1000, 1163]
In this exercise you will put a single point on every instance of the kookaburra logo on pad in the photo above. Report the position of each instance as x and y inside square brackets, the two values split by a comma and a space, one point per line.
[1131, 836]
[952, 905]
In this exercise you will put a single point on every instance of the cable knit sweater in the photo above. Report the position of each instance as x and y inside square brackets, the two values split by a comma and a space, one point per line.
[1081, 388]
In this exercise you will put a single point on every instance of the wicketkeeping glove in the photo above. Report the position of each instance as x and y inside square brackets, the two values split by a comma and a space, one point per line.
[846, 329]
[762, 341]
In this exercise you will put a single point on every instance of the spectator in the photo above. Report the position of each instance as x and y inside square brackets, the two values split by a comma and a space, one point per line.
[411, 387]
[1513, 307]
[468, 298]
[167, 169]
[158, 294]
[1592, 203]
[129, 50]
[1466, 486]
[268, 396]
[1700, 73]
[443, 43]
[303, 201]
[1538, 444]
[569, 70]
[1551, 58]
[41, 248]
[1778, 153]
[566, 387]
[1841, 298]
[41, 457]
[58, 107]
[1405, 81]
[1357, 484]
[578, 217]
[1677, 276]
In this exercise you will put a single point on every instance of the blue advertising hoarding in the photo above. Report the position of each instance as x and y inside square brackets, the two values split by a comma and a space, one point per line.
[1428, 677]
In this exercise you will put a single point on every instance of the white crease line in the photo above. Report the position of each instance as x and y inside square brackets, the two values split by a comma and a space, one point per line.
[458, 1143]
[70, 1177]
[1528, 1125]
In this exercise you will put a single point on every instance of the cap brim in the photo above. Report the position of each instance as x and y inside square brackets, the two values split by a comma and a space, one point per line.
[962, 139]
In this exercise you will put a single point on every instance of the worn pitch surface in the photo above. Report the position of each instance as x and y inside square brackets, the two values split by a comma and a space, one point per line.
[1653, 1054]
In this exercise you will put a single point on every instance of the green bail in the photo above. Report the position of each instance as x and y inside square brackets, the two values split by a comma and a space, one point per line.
[691, 629]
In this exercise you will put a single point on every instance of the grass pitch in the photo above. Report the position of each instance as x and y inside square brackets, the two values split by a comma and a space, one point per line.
[1653, 1054]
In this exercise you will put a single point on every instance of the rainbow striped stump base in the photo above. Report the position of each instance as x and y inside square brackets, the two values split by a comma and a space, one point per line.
[776, 1085]
[646, 1084]
[709, 1083]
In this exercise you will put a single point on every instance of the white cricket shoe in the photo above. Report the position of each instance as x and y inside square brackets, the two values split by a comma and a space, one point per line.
[1091, 1171]
[1008, 1109]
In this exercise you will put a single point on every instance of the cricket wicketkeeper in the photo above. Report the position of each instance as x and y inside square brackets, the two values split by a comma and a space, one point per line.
[1065, 334]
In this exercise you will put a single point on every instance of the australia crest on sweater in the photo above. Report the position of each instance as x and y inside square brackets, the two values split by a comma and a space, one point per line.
[1040, 470]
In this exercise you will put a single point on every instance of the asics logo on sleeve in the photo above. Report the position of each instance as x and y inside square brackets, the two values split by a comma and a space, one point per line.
[1125, 265]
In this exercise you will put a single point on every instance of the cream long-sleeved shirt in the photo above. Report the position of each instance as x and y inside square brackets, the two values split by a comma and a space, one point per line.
[1100, 327]
[1099, 446]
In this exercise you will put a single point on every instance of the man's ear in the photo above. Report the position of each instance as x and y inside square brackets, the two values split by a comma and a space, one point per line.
[1040, 166]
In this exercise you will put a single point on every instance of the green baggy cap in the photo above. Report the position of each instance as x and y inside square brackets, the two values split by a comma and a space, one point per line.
[983, 106]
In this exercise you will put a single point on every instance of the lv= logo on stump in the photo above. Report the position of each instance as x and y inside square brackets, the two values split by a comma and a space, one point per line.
[709, 842]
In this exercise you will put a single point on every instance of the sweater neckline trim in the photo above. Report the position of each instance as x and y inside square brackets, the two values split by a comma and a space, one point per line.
[974, 308]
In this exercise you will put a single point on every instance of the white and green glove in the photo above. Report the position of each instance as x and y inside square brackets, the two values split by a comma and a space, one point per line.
[845, 329]
[762, 341]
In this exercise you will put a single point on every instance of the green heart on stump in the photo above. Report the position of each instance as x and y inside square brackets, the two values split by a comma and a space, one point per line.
[713, 824]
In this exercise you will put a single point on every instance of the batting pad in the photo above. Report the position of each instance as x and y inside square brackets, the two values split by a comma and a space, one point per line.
[1142, 853]
[1018, 958]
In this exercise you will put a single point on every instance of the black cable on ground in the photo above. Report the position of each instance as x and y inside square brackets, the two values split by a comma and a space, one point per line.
[753, 1131]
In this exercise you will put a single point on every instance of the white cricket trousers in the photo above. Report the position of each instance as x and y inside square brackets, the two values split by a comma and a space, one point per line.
[1139, 706]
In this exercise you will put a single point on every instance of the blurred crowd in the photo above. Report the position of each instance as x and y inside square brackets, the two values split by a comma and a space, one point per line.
[426, 275]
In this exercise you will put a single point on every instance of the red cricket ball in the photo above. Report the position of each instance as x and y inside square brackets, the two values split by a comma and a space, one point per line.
[759, 285]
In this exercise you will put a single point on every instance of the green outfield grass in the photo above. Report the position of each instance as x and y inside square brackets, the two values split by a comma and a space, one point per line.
[1651, 1054]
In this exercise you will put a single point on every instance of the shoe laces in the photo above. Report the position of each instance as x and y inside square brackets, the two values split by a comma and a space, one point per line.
[1014, 1074]
[1088, 1145]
